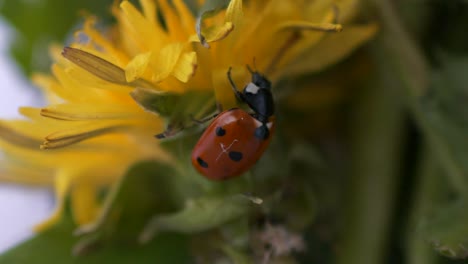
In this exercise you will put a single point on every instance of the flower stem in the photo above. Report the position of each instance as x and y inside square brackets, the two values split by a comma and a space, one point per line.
[427, 187]
[377, 140]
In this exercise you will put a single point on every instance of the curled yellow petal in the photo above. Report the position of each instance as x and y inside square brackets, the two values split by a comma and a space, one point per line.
[234, 12]
[186, 66]
[214, 33]
[137, 67]
[165, 61]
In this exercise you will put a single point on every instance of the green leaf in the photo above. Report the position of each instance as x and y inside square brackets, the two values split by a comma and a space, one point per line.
[446, 115]
[147, 188]
[39, 23]
[55, 246]
[199, 215]
[447, 230]
[445, 112]
[236, 256]
[166, 193]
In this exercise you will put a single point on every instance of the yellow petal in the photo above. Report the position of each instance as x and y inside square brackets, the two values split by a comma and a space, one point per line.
[234, 12]
[67, 137]
[139, 26]
[304, 25]
[173, 25]
[83, 112]
[9, 135]
[44, 82]
[52, 87]
[185, 67]
[164, 63]
[347, 9]
[61, 187]
[98, 39]
[24, 174]
[150, 10]
[84, 202]
[186, 17]
[223, 91]
[331, 49]
[95, 65]
[137, 66]
[213, 33]
[101, 68]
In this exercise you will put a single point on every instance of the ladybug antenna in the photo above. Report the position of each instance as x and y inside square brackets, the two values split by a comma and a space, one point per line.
[250, 69]
[254, 65]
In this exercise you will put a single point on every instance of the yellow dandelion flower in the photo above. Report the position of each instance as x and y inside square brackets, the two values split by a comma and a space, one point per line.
[280, 37]
[94, 127]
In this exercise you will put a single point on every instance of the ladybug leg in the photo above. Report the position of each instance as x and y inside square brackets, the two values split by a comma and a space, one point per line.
[167, 133]
[238, 94]
[204, 120]
[170, 131]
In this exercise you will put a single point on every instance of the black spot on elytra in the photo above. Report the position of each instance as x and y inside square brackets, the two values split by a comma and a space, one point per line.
[202, 162]
[220, 131]
[235, 156]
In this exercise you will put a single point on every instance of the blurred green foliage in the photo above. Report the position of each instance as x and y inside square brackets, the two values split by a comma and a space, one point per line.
[42, 22]
[54, 246]
[387, 184]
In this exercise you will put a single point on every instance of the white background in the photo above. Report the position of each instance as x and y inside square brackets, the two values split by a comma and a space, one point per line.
[20, 207]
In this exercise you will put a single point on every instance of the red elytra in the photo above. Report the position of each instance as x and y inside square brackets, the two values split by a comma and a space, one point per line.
[229, 146]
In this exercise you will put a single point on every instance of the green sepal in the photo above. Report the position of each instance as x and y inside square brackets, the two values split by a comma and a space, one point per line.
[181, 111]
[156, 102]
[199, 215]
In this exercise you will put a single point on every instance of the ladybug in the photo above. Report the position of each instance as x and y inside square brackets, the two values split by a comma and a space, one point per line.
[236, 139]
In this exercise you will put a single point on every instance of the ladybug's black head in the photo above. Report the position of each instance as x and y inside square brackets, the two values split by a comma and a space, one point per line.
[258, 96]
[259, 80]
